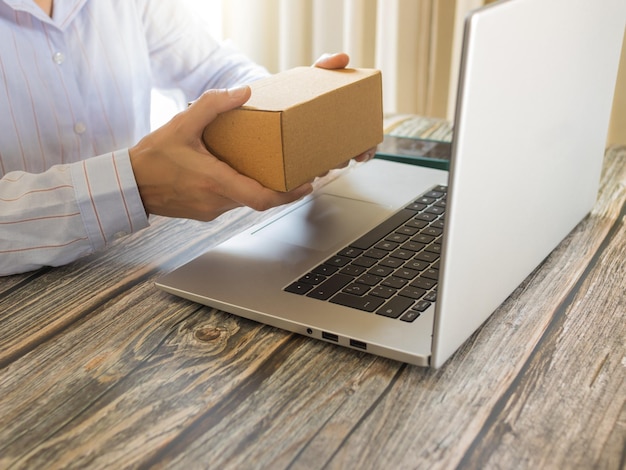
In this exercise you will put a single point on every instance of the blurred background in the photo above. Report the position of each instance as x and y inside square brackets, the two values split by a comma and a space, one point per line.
[415, 43]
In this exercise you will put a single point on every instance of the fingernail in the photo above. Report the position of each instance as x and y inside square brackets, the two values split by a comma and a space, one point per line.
[324, 57]
[237, 92]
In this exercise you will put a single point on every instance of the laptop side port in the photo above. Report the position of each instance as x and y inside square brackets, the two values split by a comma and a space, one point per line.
[330, 336]
[358, 344]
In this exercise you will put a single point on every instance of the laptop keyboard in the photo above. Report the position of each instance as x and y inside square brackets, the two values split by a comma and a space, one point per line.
[392, 270]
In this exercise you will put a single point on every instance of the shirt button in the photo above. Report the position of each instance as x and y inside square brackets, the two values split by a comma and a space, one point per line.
[80, 127]
[58, 58]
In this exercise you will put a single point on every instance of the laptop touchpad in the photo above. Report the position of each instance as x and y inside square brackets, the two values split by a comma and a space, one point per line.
[325, 223]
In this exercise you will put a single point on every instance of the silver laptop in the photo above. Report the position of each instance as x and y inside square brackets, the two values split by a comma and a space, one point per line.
[535, 92]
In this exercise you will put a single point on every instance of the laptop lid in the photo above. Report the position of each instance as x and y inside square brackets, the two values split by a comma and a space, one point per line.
[535, 93]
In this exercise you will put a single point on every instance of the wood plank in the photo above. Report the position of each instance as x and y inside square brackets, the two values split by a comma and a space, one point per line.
[126, 379]
[580, 361]
[9, 284]
[30, 315]
[154, 374]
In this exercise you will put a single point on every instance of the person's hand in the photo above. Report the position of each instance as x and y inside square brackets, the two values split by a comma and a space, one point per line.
[340, 61]
[178, 177]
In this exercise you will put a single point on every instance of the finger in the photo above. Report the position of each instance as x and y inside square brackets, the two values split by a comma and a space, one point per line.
[261, 198]
[366, 156]
[249, 192]
[212, 103]
[333, 61]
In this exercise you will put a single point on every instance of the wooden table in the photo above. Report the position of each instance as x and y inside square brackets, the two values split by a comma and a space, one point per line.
[99, 369]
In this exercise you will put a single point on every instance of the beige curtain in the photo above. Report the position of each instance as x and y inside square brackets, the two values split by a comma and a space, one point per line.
[617, 129]
[415, 43]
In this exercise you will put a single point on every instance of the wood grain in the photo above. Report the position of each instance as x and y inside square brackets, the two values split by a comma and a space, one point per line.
[98, 369]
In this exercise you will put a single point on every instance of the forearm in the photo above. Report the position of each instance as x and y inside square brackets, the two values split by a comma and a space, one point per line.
[69, 211]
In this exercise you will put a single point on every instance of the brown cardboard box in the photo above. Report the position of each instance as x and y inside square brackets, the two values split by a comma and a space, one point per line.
[299, 124]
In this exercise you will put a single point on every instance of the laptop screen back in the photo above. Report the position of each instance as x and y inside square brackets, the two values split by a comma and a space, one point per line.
[535, 93]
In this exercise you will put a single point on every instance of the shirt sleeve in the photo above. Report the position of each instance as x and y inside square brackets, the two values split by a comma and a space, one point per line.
[185, 56]
[69, 211]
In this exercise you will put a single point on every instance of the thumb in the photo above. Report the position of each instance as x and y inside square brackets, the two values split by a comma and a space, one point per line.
[213, 102]
[332, 61]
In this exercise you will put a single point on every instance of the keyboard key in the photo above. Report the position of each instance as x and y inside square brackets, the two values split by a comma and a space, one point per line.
[397, 237]
[352, 270]
[394, 282]
[356, 289]
[416, 264]
[391, 262]
[416, 206]
[405, 273]
[427, 256]
[410, 316]
[382, 271]
[425, 200]
[435, 210]
[312, 278]
[433, 231]
[395, 307]
[421, 238]
[330, 286]
[426, 216]
[406, 230]
[375, 253]
[382, 291]
[415, 223]
[421, 305]
[431, 274]
[325, 270]
[369, 280]
[386, 245]
[365, 261]
[403, 254]
[412, 292]
[366, 303]
[338, 261]
[299, 288]
[413, 246]
[350, 252]
[434, 248]
[424, 283]
[431, 296]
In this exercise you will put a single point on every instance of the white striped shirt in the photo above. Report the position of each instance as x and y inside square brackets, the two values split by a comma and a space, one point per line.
[75, 93]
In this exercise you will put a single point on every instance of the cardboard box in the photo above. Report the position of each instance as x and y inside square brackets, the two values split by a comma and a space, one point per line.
[299, 124]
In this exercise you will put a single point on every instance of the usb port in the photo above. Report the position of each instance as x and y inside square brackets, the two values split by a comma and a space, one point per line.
[330, 336]
[358, 344]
